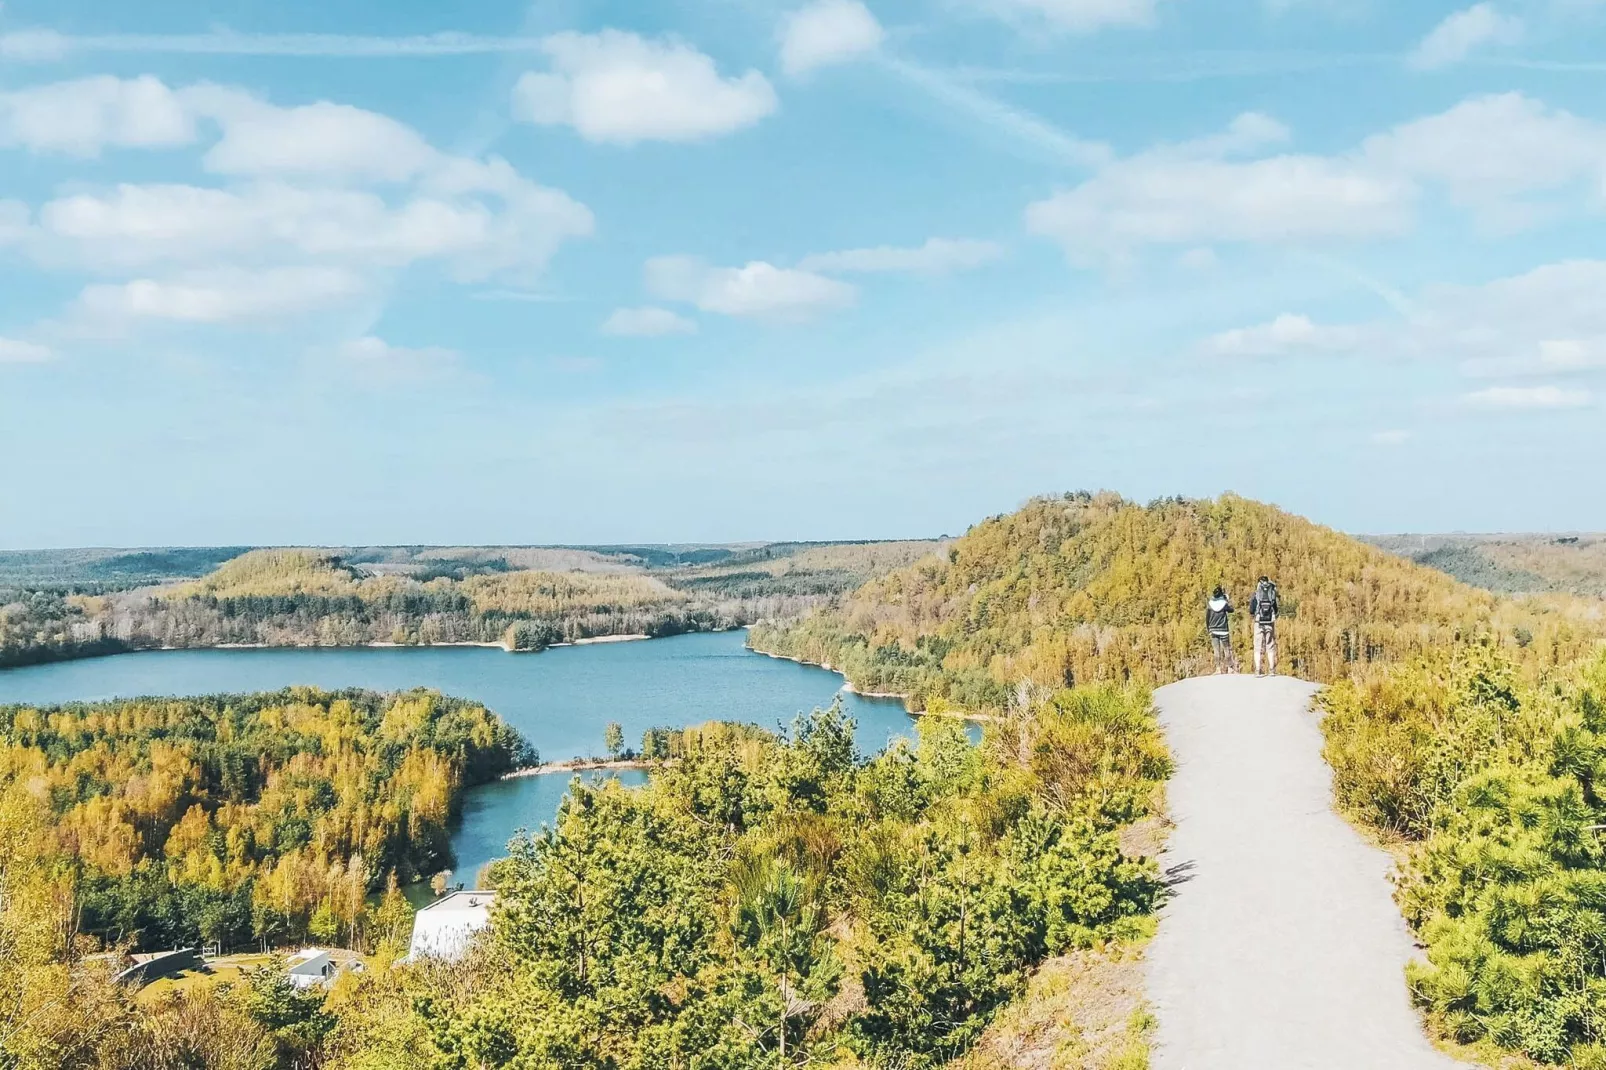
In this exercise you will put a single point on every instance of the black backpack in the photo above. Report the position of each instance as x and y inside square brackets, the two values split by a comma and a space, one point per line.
[1266, 602]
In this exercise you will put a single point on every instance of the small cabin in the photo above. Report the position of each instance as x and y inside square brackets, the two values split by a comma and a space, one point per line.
[310, 967]
[445, 928]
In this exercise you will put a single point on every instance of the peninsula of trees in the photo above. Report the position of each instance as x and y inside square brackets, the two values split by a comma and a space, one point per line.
[241, 819]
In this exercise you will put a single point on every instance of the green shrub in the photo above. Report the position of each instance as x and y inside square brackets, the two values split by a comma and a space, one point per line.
[1494, 780]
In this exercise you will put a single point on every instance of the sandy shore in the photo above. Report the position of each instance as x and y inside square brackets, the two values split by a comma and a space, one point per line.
[386, 645]
[606, 639]
[848, 687]
[376, 644]
[578, 765]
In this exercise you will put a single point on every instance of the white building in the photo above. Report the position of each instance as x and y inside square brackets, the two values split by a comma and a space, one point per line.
[444, 929]
[311, 966]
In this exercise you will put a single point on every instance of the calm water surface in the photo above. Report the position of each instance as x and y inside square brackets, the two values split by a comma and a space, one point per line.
[559, 699]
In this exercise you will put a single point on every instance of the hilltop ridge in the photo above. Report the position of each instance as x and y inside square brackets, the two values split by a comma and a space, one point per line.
[1087, 587]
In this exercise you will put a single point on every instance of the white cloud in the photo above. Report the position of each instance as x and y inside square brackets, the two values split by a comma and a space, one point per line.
[619, 88]
[938, 256]
[1077, 16]
[1493, 154]
[1489, 149]
[646, 323]
[1546, 322]
[325, 203]
[1287, 334]
[1529, 397]
[299, 204]
[758, 289]
[828, 32]
[1463, 33]
[33, 46]
[1193, 194]
[13, 351]
[321, 140]
[135, 226]
[1390, 438]
[82, 117]
[218, 297]
[372, 350]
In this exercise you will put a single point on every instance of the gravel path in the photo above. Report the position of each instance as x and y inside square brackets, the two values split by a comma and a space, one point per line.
[1281, 949]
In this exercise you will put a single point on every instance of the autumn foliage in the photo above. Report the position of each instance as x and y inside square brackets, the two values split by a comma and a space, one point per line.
[234, 819]
[1084, 588]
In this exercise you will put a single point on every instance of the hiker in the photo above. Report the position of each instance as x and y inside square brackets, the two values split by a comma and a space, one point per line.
[1218, 620]
[1263, 612]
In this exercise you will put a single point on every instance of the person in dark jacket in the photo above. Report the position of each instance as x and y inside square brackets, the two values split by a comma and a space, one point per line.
[1218, 621]
[1263, 612]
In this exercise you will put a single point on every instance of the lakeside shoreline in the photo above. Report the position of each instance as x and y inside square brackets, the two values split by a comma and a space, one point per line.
[118, 647]
[577, 765]
[847, 685]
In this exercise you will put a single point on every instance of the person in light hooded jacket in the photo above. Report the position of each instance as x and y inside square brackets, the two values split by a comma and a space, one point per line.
[1218, 621]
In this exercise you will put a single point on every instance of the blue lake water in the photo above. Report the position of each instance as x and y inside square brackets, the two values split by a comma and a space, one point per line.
[559, 699]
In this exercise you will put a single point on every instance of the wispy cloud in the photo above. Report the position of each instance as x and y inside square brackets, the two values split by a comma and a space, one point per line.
[1463, 33]
[938, 256]
[1192, 66]
[15, 351]
[1022, 125]
[45, 45]
[1529, 397]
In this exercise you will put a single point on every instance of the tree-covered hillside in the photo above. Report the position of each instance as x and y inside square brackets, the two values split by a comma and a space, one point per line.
[1092, 587]
[524, 598]
[244, 818]
[1511, 564]
[776, 902]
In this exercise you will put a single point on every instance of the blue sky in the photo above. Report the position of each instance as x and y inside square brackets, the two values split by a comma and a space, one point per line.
[735, 269]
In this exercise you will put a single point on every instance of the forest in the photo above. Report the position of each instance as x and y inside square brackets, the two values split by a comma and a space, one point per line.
[523, 599]
[246, 819]
[767, 900]
[1084, 588]
[778, 901]
[1511, 564]
[774, 899]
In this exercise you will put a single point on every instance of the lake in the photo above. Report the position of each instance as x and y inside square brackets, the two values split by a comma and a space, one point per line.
[559, 699]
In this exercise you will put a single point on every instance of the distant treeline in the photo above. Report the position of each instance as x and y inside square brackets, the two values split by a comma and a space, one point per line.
[314, 598]
[96, 571]
[1511, 564]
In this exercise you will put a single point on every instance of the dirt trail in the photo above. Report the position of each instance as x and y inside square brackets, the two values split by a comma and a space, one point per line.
[1281, 948]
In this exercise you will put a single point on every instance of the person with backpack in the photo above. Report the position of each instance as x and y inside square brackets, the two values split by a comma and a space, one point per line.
[1218, 622]
[1263, 612]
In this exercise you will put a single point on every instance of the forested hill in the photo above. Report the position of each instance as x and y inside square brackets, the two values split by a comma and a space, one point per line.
[1081, 587]
[1511, 564]
[521, 598]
